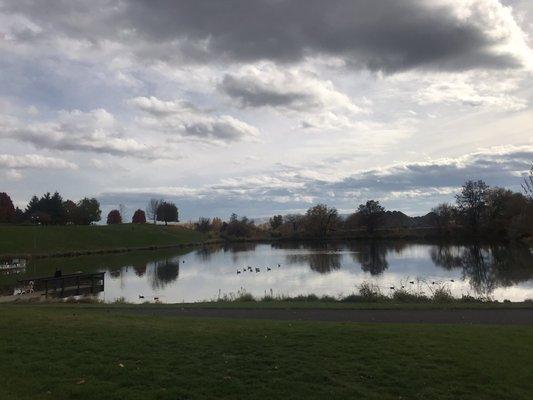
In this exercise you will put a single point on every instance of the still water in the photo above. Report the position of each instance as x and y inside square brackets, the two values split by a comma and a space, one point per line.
[498, 272]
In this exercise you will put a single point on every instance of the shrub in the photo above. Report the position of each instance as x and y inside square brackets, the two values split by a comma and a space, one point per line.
[403, 296]
[370, 292]
[245, 297]
[442, 295]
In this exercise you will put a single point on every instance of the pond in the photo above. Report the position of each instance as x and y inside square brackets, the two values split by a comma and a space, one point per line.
[289, 269]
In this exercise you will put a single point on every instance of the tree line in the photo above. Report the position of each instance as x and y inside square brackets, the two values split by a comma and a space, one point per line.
[478, 211]
[52, 209]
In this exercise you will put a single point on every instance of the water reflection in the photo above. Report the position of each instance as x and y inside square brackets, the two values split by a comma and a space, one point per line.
[486, 267]
[198, 274]
[321, 258]
[165, 272]
[371, 256]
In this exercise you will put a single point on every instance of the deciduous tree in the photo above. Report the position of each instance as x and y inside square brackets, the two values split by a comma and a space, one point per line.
[371, 215]
[321, 220]
[167, 212]
[528, 184]
[471, 202]
[88, 211]
[139, 217]
[114, 217]
[151, 209]
[7, 210]
[275, 222]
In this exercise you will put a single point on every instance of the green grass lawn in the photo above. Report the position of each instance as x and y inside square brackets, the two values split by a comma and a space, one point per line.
[338, 305]
[71, 352]
[64, 239]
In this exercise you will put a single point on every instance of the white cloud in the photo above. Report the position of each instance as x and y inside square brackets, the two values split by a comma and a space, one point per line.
[187, 121]
[12, 166]
[475, 90]
[27, 161]
[295, 92]
[93, 131]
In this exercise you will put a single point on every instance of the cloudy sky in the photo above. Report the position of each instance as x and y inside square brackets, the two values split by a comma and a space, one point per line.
[264, 106]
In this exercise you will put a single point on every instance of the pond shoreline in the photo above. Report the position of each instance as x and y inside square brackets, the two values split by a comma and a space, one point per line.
[227, 241]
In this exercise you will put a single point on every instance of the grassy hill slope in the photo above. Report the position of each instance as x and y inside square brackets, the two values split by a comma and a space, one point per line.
[21, 240]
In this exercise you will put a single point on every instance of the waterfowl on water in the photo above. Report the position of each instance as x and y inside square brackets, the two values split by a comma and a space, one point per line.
[412, 282]
[141, 296]
[238, 272]
[269, 269]
[257, 270]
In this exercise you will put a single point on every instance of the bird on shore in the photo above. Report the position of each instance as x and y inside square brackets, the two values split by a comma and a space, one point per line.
[452, 280]
[257, 270]
[141, 296]
[238, 272]
[392, 288]
[279, 265]
[269, 269]
[156, 298]
[412, 282]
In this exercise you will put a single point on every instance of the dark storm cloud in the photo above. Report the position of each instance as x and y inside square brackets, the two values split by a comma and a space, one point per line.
[249, 94]
[386, 35]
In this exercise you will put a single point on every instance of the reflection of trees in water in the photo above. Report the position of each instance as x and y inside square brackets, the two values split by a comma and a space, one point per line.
[140, 269]
[115, 273]
[321, 258]
[372, 256]
[236, 248]
[165, 272]
[205, 253]
[487, 267]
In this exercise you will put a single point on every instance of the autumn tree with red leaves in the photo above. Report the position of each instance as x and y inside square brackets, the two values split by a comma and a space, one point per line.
[139, 217]
[114, 217]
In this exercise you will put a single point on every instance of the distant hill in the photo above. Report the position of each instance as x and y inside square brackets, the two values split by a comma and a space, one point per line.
[397, 219]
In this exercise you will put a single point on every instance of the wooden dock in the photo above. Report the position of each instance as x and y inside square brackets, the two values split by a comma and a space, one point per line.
[66, 285]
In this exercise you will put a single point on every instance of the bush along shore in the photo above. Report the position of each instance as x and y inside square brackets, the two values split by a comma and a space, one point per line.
[367, 293]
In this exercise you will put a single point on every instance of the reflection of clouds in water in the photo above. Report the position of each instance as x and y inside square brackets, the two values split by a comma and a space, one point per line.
[332, 270]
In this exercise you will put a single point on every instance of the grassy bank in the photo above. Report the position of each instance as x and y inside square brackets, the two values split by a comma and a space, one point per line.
[337, 305]
[72, 240]
[70, 352]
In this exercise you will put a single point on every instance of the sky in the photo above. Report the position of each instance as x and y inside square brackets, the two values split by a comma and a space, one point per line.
[267, 106]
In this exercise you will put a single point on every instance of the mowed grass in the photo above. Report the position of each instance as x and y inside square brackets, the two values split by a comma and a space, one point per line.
[68, 352]
[65, 239]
